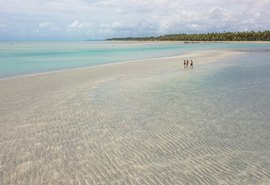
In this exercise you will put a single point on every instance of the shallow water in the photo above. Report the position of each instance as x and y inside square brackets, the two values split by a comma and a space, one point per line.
[19, 58]
[209, 125]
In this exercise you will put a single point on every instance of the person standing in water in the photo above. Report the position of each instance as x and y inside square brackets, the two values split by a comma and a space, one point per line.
[191, 64]
[187, 63]
[184, 64]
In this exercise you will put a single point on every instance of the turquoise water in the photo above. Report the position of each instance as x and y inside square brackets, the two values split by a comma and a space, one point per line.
[207, 125]
[20, 58]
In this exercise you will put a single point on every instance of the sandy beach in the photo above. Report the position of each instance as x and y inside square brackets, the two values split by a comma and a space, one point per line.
[123, 123]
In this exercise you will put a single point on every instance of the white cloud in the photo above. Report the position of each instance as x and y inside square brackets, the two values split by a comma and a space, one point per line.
[106, 18]
[3, 26]
[48, 26]
[74, 24]
[80, 29]
[44, 24]
[77, 24]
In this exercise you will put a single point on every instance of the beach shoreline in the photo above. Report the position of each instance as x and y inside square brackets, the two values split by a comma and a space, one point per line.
[221, 53]
[131, 123]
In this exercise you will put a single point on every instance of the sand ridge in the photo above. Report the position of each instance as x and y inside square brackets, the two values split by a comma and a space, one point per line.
[125, 123]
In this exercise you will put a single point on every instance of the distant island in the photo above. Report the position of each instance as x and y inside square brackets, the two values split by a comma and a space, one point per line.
[225, 36]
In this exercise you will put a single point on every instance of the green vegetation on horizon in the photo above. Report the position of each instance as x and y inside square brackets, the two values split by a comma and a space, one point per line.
[225, 36]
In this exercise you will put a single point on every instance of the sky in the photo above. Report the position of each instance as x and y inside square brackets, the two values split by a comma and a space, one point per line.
[101, 19]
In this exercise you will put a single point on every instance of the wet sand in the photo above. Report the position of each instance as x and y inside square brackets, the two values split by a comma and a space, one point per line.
[119, 124]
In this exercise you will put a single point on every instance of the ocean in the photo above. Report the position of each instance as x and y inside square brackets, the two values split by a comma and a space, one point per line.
[142, 123]
[21, 58]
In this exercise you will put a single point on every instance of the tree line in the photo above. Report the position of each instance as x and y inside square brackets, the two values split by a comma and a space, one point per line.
[225, 36]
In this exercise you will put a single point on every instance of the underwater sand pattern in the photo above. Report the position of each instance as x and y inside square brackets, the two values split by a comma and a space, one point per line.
[130, 124]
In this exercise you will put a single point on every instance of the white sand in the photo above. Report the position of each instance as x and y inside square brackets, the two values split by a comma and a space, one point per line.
[94, 126]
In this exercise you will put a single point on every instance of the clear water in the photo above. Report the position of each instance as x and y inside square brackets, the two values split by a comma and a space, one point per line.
[20, 58]
[215, 116]
[208, 125]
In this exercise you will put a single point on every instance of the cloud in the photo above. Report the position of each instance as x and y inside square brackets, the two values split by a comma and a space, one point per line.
[74, 24]
[44, 24]
[81, 19]
[77, 24]
[80, 29]
[3, 26]
[48, 26]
